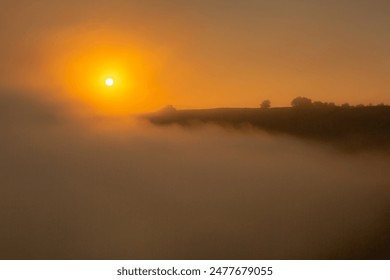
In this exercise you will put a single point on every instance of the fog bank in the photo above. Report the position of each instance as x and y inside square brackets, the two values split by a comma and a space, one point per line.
[93, 188]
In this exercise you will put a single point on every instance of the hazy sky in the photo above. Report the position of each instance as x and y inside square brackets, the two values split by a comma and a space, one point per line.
[196, 53]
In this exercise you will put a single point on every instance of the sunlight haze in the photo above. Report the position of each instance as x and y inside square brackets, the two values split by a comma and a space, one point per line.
[197, 54]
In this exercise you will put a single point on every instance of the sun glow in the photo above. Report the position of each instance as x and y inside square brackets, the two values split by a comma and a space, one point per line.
[109, 82]
[106, 83]
[107, 74]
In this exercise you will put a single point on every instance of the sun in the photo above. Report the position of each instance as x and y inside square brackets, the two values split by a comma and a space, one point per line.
[109, 82]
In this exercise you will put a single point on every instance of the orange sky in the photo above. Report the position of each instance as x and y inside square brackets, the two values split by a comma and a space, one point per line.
[196, 54]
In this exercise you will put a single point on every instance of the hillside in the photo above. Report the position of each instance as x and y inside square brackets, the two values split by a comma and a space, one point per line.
[352, 128]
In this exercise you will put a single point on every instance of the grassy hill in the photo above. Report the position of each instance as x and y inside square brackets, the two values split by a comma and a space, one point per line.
[365, 127]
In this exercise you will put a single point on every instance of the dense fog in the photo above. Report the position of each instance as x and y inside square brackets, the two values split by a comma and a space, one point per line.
[83, 187]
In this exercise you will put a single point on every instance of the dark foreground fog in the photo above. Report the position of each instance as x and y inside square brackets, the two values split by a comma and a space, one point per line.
[103, 189]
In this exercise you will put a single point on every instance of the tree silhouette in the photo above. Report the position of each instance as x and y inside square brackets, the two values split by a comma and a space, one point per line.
[301, 102]
[266, 104]
[167, 109]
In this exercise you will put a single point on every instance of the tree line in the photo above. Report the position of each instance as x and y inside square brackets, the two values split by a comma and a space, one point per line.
[304, 102]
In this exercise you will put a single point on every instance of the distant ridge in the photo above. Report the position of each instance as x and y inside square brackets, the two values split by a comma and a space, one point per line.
[347, 127]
